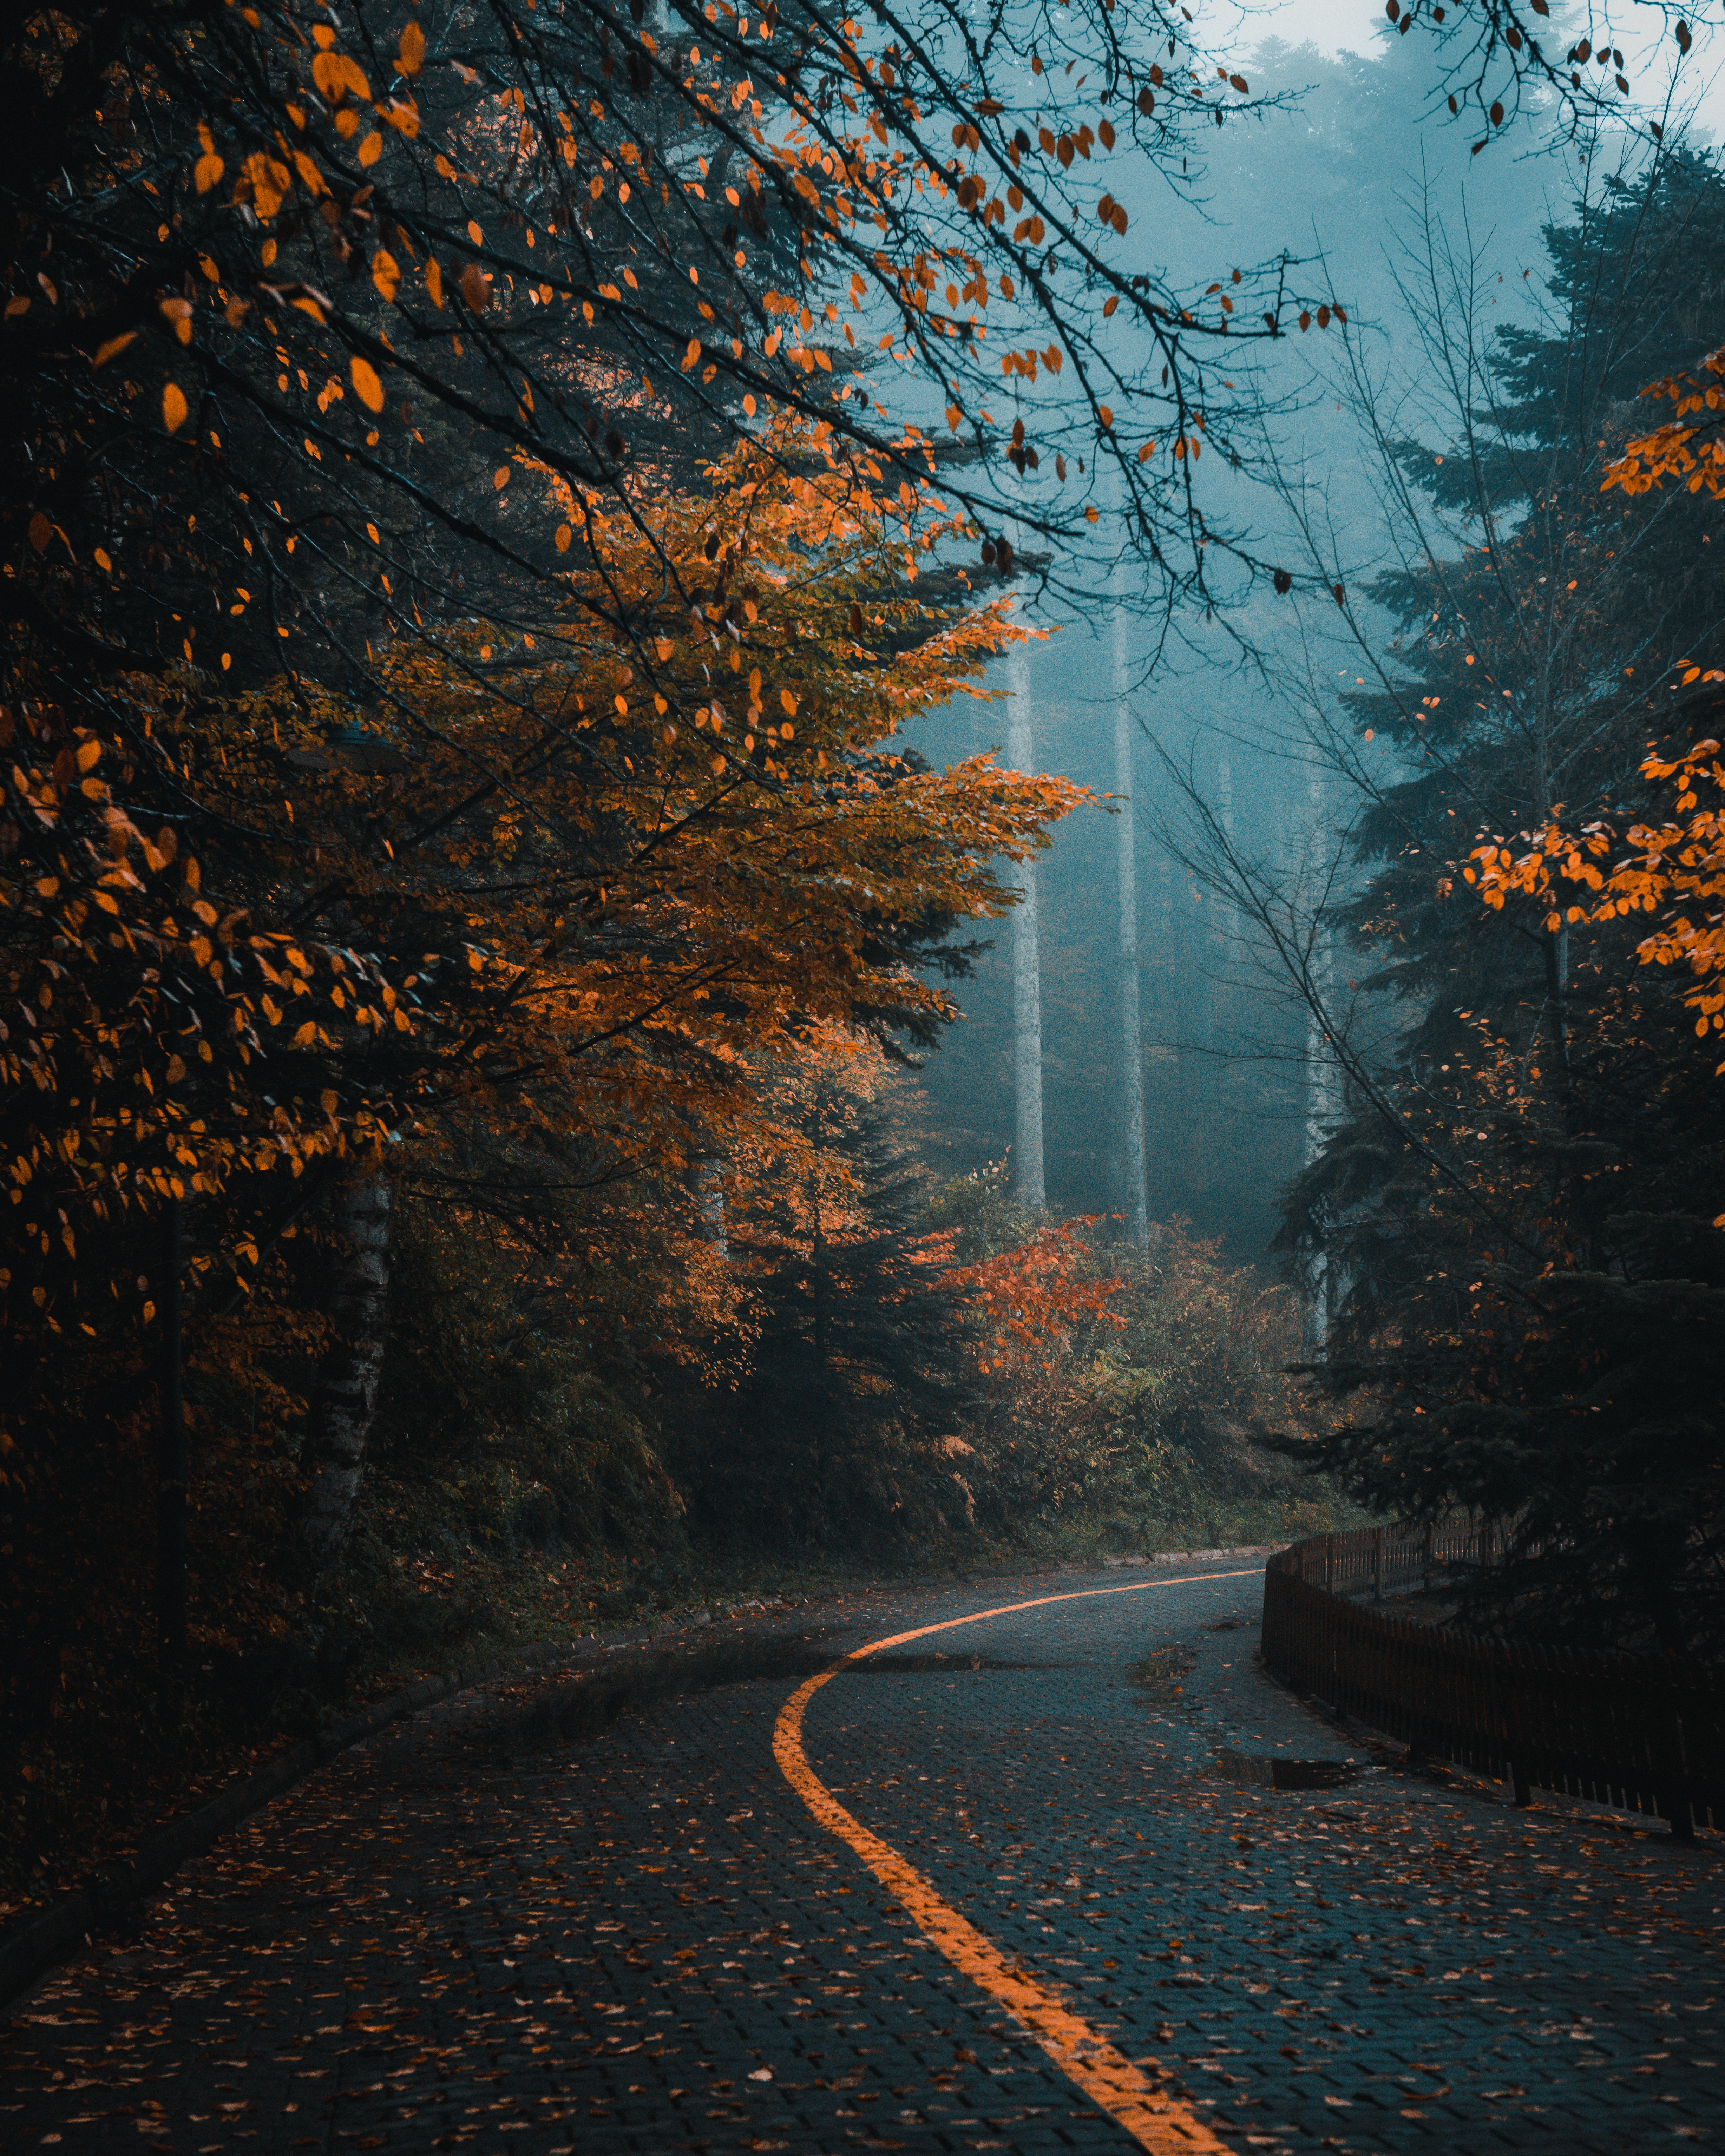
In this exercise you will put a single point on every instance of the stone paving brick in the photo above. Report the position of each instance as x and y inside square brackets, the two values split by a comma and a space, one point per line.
[643, 1942]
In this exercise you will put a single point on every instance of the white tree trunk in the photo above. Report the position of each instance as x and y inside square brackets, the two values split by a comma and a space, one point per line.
[346, 1395]
[1026, 963]
[710, 1192]
[1132, 1040]
[1323, 1091]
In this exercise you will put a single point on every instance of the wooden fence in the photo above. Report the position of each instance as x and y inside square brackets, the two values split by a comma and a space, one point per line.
[1644, 1733]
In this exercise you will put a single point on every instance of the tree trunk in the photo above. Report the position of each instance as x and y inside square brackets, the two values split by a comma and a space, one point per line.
[346, 1395]
[1323, 1103]
[1132, 1043]
[171, 1483]
[709, 1196]
[1026, 964]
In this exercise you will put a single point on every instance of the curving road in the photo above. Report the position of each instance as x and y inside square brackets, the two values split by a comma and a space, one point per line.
[976, 1875]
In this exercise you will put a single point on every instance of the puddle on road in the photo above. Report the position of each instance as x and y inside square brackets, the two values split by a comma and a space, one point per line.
[1271, 1771]
[1161, 1675]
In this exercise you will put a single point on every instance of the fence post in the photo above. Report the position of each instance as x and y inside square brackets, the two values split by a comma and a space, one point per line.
[1377, 1564]
[1329, 1562]
[1425, 1560]
[1670, 1768]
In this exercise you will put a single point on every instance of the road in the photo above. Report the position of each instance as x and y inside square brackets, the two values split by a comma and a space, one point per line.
[990, 1886]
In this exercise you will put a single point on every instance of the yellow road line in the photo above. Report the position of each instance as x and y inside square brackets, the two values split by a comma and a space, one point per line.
[1128, 2092]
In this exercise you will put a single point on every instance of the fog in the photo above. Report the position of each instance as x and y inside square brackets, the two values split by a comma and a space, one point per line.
[1358, 180]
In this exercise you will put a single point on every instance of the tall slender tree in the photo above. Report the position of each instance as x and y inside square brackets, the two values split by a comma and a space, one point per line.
[1026, 963]
[1132, 1030]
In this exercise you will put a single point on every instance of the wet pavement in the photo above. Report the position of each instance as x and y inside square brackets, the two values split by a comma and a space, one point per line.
[470, 1933]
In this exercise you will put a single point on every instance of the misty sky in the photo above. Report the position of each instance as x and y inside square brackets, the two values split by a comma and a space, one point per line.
[1336, 26]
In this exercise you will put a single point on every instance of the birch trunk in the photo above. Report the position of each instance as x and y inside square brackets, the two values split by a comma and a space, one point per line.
[1132, 1040]
[346, 1395]
[1026, 964]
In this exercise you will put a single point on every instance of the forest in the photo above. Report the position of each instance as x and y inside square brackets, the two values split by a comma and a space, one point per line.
[790, 797]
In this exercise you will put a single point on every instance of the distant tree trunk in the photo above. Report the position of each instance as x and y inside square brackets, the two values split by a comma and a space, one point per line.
[1026, 964]
[1323, 1105]
[1132, 1040]
[346, 1395]
[709, 1196]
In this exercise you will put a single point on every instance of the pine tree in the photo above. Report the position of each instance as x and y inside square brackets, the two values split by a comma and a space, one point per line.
[1522, 1203]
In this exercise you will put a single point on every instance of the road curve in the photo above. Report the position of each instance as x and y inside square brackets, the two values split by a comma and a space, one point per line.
[1027, 1912]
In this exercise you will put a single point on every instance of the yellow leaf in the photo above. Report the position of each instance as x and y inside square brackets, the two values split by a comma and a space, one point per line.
[267, 181]
[173, 407]
[366, 386]
[411, 57]
[335, 75]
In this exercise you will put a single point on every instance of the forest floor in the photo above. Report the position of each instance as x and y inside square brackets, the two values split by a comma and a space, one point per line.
[1001, 1886]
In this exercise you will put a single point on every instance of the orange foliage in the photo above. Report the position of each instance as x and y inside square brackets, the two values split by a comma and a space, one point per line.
[1677, 866]
[560, 889]
[1030, 1299]
[1677, 450]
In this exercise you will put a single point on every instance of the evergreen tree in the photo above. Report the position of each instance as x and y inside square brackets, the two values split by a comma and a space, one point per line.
[1521, 1203]
[840, 1429]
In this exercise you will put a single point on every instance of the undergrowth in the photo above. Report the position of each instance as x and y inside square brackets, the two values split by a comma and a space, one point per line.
[532, 1478]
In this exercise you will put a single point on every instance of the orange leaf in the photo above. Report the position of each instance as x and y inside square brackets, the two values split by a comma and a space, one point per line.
[174, 407]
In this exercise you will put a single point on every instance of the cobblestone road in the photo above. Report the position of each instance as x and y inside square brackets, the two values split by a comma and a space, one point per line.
[644, 1942]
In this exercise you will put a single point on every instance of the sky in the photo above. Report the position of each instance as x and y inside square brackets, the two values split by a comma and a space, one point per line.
[1336, 26]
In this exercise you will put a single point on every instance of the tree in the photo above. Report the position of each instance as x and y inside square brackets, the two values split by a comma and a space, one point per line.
[593, 951]
[1514, 1196]
[838, 1421]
